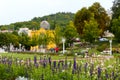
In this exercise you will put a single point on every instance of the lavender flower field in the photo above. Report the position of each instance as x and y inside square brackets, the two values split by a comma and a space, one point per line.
[42, 67]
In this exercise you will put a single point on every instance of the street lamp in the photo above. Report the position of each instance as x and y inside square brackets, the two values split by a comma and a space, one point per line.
[63, 40]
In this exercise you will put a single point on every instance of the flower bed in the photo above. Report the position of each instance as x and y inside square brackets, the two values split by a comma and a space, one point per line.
[44, 68]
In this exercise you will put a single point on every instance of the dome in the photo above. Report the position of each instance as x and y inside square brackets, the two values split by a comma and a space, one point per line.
[45, 25]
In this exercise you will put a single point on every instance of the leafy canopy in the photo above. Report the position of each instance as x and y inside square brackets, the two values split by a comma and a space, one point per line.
[84, 15]
[91, 30]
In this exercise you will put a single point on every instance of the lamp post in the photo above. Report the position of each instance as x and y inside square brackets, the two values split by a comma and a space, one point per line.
[19, 47]
[110, 46]
[63, 40]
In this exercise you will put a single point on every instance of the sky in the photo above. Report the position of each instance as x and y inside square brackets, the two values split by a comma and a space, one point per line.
[12, 11]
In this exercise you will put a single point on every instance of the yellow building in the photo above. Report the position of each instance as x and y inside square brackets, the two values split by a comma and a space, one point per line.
[44, 30]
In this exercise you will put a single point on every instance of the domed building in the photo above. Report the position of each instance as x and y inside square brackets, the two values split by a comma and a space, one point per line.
[44, 31]
[44, 24]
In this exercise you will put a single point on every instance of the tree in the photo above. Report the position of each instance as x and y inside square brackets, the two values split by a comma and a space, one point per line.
[15, 33]
[7, 38]
[58, 35]
[43, 39]
[80, 17]
[46, 38]
[34, 40]
[13, 39]
[11, 27]
[116, 9]
[70, 32]
[3, 27]
[116, 28]
[24, 40]
[91, 30]
[35, 25]
[115, 22]
[101, 16]
[4, 39]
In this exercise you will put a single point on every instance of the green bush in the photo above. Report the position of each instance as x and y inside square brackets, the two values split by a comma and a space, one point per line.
[102, 47]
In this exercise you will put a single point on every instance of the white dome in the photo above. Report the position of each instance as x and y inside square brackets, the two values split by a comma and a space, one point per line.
[45, 25]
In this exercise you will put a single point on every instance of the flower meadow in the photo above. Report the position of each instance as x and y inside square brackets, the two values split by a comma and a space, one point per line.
[44, 68]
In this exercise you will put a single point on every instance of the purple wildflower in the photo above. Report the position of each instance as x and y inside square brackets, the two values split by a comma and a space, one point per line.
[99, 72]
[74, 64]
[91, 69]
[106, 74]
[54, 64]
[44, 64]
[35, 60]
[59, 65]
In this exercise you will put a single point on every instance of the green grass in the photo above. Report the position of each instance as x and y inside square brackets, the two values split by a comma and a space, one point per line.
[24, 56]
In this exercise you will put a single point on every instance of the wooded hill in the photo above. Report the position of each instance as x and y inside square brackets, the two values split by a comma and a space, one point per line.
[59, 19]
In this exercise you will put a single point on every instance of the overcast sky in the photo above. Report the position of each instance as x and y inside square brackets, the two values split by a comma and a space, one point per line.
[23, 10]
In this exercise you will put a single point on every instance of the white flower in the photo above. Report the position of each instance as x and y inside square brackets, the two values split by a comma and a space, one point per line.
[102, 64]
[98, 55]
[110, 66]
[68, 63]
[63, 70]
[21, 78]
[75, 54]
[119, 65]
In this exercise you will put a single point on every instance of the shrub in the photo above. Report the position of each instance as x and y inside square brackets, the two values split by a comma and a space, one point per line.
[102, 47]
